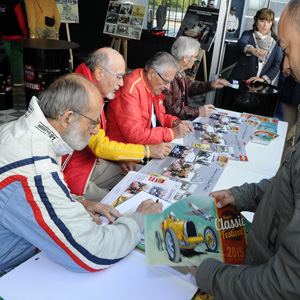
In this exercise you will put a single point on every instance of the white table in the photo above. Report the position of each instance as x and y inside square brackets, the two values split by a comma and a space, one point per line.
[40, 278]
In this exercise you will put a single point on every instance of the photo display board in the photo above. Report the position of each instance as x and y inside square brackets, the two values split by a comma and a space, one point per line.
[200, 23]
[68, 11]
[124, 20]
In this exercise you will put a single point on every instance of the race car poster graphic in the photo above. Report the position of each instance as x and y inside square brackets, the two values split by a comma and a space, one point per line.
[124, 20]
[194, 229]
[200, 23]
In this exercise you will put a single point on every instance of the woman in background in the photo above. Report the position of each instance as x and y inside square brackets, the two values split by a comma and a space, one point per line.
[260, 56]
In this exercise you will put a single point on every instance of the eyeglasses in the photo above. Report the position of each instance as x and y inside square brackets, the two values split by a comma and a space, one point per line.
[164, 80]
[94, 122]
[195, 56]
[119, 77]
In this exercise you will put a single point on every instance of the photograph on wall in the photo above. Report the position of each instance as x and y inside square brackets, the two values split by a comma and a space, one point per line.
[200, 23]
[124, 20]
[68, 11]
[234, 19]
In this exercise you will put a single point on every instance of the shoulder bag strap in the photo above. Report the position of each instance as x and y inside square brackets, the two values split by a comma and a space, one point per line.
[40, 7]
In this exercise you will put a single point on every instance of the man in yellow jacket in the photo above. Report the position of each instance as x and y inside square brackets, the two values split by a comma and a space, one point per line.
[36, 11]
[91, 172]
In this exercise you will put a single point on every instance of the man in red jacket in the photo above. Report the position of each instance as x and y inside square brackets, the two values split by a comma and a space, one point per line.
[91, 172]
[137, 114]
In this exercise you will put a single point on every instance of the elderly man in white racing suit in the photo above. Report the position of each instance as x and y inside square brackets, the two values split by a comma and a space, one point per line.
[37, 210]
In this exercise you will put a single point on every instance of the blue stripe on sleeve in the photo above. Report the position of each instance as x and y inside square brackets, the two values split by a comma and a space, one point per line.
[65, 231]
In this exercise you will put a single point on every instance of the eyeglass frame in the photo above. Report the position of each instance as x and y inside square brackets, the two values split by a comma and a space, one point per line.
[119, 77]
[95, 123]
[164, 80]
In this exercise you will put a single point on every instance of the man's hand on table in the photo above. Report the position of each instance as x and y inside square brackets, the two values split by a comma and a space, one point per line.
[150, 207]
[96, 208]
[160, 150]
[182, 128]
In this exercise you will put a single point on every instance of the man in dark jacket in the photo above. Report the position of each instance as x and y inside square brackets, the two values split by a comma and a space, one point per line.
[185, 51]
[272, 264]
[290, 99]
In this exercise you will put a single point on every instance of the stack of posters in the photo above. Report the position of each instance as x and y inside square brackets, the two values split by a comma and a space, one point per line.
[197, 170]
[194, 229]
[221, 133]
[266, 131]
[135, 182]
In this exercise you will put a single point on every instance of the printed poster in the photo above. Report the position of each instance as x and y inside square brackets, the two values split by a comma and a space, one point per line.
[124, 20]
[197, 170]
[194, 229]
[218, 133]
[200, 23]
[68, 11]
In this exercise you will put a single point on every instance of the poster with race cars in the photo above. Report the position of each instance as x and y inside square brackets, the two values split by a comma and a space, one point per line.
[194, 229]
[124, 20]
[200, 23]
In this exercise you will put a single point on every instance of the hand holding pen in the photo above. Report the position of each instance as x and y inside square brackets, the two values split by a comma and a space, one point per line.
[206, 110]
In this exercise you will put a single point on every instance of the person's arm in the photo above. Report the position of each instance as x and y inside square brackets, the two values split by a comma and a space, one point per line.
[101, 146]
[248, 196]
[274, 68]
[54, 223]
[173, 103]
[57, 19]
[197, 87]
[31, 19]
[21, 20]
[276, 279]
[245, 43]
[236, 23]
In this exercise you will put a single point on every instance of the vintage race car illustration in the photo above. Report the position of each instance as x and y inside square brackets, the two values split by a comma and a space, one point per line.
[181, 235]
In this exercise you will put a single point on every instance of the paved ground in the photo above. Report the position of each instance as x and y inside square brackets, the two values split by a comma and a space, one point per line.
[18, 109]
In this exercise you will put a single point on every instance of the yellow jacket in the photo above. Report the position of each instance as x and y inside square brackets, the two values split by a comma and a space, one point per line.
[103, 147]
[35, 16]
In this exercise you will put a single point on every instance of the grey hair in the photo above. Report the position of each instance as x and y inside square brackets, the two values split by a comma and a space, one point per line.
[160, 62]
[99, 58]
[293, 9]
[184, 45]
[69, 92]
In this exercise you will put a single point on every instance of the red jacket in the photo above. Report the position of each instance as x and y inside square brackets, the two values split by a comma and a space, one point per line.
[129, 114]
[78, 166]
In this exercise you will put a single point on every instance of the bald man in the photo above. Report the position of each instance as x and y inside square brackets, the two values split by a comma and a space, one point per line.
[91, 172]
